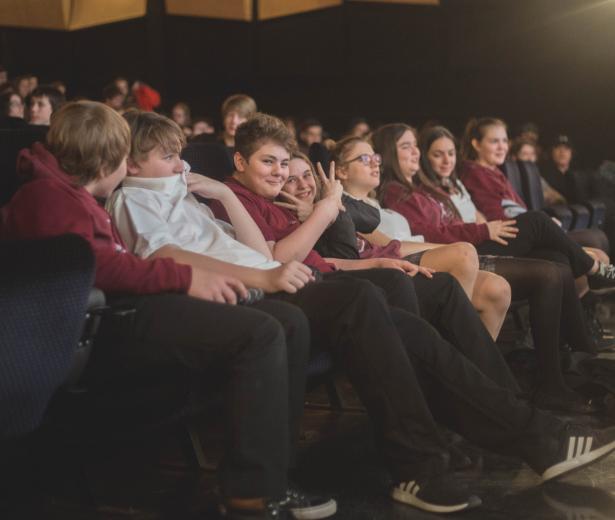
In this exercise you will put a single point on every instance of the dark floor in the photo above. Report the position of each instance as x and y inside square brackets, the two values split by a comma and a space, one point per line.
[150, 478]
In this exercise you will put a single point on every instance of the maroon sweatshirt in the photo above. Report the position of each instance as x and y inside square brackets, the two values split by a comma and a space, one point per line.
[430, 218]
[488, 188]
[50, 204]
[274, 222]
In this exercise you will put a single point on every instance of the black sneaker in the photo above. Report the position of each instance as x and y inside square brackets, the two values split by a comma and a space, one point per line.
[272, 511]
[603, 278]
[436, 494]
[308, 507]
[579, 447]
[297, 505]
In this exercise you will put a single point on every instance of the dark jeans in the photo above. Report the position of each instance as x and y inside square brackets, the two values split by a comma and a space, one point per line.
[538, 232]
[259, 352]
[405, 373]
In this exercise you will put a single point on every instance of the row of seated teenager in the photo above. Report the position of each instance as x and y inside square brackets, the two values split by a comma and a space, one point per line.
[407, 335]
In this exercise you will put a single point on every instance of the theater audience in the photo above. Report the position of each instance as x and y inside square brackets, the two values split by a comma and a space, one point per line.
[379, 298]
[261, 160]
[489, 294]
[185, 316]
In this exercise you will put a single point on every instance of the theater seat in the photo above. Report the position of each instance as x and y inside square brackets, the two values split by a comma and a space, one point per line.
[44, 290]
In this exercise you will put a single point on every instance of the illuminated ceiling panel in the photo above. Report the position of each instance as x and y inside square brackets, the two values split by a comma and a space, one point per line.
[242, 9]
[415, 2]
[226, 9]
[274, 8]
[68, 15]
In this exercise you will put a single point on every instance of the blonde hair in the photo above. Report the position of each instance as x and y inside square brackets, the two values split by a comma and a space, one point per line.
[149, 130]
[296, 154]
[243, 104]
[89, 139]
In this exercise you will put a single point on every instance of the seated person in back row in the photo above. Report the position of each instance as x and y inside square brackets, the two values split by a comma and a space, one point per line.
[185, 324]
[402, 370]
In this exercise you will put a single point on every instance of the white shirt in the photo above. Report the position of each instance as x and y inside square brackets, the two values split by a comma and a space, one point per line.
[463, 203]
[153, 212]
[394, 225]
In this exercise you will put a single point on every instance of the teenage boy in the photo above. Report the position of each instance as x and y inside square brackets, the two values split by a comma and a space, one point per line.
[401, 368]
[235, 110]
[186, 323]
[44, 101]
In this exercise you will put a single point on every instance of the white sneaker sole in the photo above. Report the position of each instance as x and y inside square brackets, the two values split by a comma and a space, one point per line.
[412, 500]
[576, 463]
[314, 513]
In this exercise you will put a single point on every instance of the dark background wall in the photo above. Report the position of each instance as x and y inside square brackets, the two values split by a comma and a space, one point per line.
[548, 61]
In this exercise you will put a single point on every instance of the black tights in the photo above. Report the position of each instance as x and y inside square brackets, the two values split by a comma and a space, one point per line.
[538, 231]
[544, 284]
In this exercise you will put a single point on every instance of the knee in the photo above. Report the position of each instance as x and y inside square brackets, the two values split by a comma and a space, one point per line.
[498, 291]
[268, 340]
[465, 256]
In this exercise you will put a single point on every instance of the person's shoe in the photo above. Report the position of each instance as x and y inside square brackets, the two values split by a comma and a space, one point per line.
[556, 403]
[239, 510]
[603, 278]
[579, 446]
[296, 504]
[436, 494]
[308, 507]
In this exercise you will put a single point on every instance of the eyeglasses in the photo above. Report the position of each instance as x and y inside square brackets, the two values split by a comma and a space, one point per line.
[366, 159]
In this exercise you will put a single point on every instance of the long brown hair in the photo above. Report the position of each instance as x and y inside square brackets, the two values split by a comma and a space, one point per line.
[476, 129]
[385, 140]
[426, 138]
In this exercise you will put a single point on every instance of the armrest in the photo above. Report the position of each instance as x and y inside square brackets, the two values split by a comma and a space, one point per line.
[97, 308]
[580, 216]
[597, 210]
[561, 213]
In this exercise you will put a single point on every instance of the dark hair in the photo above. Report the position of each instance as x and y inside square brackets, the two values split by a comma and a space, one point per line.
[259, 129]
[475, 130]
[385, 140]
[5, 101]
[307, 123]
[519, 143]
[426, 139]
[111, 91]
[56, 98]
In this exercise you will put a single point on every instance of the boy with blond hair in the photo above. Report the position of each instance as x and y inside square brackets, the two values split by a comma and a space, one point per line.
[185, 320]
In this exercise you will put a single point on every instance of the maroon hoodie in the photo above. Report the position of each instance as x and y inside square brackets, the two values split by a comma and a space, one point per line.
[488, 188]
[50, 204]
[430, 218]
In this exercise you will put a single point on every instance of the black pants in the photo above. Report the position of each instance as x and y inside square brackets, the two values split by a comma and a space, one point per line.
[443, 303]
[538, 232]
[261, 361]
[405, 374]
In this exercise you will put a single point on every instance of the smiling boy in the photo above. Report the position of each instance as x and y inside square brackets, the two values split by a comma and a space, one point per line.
[401, 368]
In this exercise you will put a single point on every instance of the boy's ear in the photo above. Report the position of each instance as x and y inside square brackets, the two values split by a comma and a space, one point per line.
[240, 163]
[132, 167]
